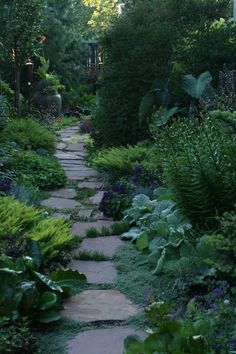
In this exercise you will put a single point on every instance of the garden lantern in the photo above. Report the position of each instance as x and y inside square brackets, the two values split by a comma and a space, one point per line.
[30, 68]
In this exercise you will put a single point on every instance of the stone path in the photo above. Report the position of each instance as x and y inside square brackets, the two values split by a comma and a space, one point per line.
[90, 306]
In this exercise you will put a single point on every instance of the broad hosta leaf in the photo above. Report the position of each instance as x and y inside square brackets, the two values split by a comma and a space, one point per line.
[133, 345]
[132, 234]
[30, 296]
[48, 316]
[142, 241]
[48, 282]
[47, 300]
[161, 228]
[164, 207]
[69, 280]
[195, 87]
[178, 222]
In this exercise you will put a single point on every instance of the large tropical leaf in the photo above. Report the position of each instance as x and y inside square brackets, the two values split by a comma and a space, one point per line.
[69, 280]
[49, 316]
[47, 300]
[195, 87]
[163, 116]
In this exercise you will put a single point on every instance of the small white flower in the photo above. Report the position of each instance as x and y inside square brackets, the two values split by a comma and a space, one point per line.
[226, 302]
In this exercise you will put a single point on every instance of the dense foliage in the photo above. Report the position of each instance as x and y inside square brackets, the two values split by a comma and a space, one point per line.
[145, 47]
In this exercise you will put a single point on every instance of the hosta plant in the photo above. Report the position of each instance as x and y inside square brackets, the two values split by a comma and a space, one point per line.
[26, 292]
[171, 335]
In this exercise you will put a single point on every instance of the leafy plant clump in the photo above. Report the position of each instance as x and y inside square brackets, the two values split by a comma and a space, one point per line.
[40, 171]
[199, 165]
[20, 222]
[16, 336]
[26, 292]
[28, 134]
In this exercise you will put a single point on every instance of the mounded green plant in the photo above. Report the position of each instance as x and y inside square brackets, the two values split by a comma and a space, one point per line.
[26, 292]
[170, 335]
[41, 171]
[16, 217]
[53, 235]
[122, 161]
[28, 134]
[19, 222]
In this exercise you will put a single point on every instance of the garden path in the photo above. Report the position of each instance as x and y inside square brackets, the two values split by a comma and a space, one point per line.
[94, 306]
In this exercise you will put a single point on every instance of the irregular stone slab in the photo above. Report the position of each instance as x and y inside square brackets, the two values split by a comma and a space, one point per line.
[67, 193]
[89, 184]
[81, 174]
[99, 305]
[79, 161]
[96, 272]
[107, 245]
[102, 341]
[61, 146]
[65, 155]
[100, 216]
[80, 228]
[76, 147]
[61, 216]
[77, 168]
[85, 213]
[60, 203]
[97, 198]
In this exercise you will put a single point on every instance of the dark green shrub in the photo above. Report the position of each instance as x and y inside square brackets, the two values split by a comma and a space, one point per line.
[28, 134]
[143, 45]
[4, 111]
[41, 171]
[199, 165]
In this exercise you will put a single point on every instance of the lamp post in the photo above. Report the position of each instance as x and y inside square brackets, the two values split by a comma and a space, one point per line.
[30, 69]
[234, 10]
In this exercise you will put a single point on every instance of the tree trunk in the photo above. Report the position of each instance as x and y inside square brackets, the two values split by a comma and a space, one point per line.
[17, 89]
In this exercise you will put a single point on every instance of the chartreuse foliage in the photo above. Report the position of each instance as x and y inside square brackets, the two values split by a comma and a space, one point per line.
[26, 292]
[53, 235]
[28, 134]
[16, 217]
[170, 335]
[21, 222]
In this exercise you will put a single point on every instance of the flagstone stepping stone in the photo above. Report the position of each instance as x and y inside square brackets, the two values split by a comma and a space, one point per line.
[99, 305]
[65, 155]
[81, 174]
[77, 168]
[61, 146]
[96, 272]
[67, 193]
[80, 228]
[85, 213]
[61, 216]
[107, 245]
[90, 184]
[60, 203]
[77, 162]
[101, 216]
[75, 147]
[97, 198]
[102, 341]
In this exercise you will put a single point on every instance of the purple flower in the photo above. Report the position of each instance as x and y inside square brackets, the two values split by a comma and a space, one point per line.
[5, 185]
[118, 188]
[217, 292]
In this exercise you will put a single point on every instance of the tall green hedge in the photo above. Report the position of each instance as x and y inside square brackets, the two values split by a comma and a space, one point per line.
[143, 45]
